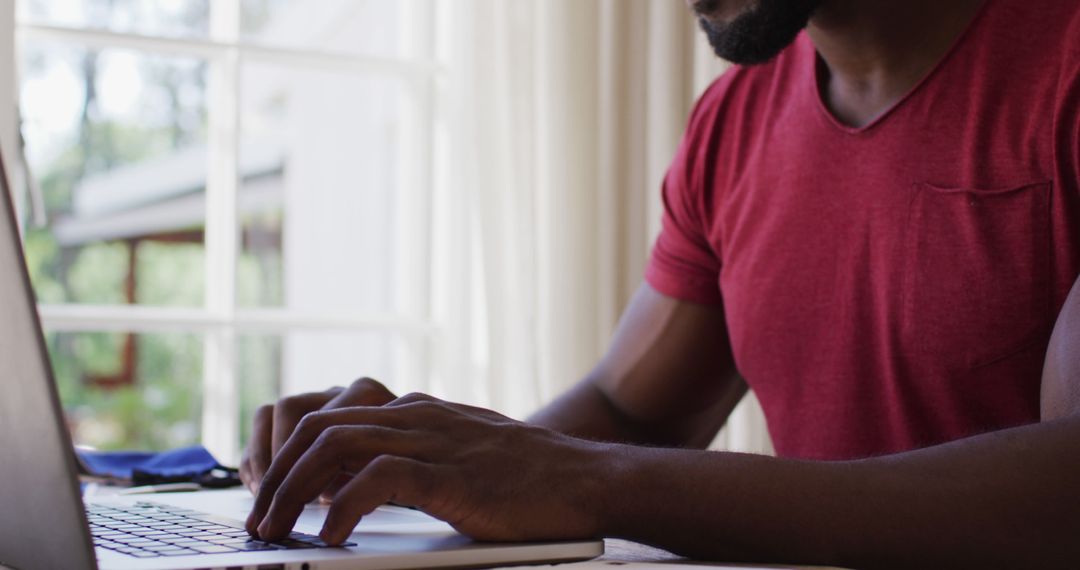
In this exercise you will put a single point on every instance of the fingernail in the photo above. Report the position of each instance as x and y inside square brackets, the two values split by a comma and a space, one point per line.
[263, 528]
[326, 535]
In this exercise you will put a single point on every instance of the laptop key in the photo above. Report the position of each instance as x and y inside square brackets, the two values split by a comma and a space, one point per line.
[180, 552]
[217, 529]
[108, 533]
[167, 548]
[171, 537]
[221, 539]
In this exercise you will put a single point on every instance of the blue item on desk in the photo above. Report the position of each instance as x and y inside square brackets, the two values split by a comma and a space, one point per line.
[189, 464]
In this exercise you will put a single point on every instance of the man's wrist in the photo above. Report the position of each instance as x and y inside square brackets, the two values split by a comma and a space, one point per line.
[620, 473]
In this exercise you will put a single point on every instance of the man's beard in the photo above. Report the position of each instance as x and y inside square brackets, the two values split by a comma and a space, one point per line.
[760, 33]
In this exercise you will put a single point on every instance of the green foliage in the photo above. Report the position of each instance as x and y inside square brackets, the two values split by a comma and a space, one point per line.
[97, 276]
[42, 256]
[259, 370]
[170, 274]
[161, 411]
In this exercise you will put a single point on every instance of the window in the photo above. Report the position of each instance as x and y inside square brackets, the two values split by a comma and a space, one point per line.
[230, 199]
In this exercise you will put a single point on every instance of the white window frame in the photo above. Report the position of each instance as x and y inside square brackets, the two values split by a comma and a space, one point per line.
[219, 320]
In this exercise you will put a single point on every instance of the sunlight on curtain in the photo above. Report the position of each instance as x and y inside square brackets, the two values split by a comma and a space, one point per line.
[564, 117]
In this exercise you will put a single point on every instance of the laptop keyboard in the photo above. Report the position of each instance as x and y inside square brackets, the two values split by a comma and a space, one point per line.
[151, 530]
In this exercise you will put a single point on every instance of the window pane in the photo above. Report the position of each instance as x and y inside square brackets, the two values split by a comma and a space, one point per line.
[258, 372]
[116, 142]
[318, 198]
[270, 366]
[123, 391]
[359, 27]
[178, 18]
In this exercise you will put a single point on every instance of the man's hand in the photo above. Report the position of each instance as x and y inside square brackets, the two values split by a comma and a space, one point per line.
[275, 423]
[490, 477]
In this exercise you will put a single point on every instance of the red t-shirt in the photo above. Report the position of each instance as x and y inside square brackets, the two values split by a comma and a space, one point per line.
[893, 286]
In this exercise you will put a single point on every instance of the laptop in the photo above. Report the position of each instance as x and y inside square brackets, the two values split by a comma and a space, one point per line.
[45, 523]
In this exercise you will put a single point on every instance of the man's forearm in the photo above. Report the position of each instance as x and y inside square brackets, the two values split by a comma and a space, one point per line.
[1008, 499]
[586, 412]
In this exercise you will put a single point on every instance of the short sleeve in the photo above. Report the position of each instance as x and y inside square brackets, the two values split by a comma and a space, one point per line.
[683, 264]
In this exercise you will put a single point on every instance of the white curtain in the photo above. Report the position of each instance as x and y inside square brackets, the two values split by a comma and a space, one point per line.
[565, 116]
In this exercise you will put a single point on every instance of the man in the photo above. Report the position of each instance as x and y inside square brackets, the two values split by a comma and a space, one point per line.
[877, 226]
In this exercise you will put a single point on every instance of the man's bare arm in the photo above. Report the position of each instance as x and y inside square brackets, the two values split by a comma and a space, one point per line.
[668, 378]
[1009, 499]
[1003, 500]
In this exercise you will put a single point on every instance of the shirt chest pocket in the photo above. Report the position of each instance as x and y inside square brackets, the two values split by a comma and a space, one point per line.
[976, 273]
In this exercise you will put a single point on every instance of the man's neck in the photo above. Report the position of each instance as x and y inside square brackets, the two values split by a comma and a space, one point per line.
[875, 51]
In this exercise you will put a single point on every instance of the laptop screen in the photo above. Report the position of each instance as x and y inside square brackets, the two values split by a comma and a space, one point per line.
[42, 522]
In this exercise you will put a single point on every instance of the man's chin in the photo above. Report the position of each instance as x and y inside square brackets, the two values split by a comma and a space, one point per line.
[717, 12]
[741, 48]
[758, 34]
